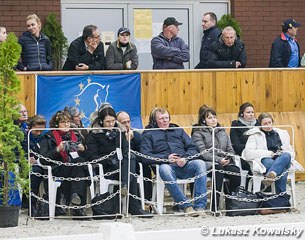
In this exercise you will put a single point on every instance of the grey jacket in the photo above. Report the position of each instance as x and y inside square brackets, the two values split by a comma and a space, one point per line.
[116, 59]
[203, 138]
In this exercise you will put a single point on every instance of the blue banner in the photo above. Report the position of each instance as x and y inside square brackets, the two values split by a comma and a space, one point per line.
[87, 92]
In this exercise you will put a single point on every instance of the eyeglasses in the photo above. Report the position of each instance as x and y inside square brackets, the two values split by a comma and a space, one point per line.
[64, 122]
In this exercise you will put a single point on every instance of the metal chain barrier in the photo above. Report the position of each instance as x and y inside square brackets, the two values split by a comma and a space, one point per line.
[165, 160]
[69, 164]
[172, 203]
[77, 179]
[77, 207]
[171, 182]
[252, 200]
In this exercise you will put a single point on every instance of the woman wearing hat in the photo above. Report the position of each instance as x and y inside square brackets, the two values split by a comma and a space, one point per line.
[122, 54]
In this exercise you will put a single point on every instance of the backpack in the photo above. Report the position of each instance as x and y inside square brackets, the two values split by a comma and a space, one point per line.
[109, 207]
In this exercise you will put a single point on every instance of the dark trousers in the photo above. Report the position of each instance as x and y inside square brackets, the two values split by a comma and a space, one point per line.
[234, 182]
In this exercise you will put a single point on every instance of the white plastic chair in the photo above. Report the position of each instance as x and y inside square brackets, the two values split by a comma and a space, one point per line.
[53, 184]
[158, 190]
[255, 182]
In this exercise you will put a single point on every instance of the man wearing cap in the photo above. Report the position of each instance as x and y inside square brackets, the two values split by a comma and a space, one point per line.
[86, 52]
[122, 54]
[168, 50]
[285, 50]
[210, 34]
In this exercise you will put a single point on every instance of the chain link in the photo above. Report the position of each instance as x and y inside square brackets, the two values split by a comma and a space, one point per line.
[173, 203]
[69, 164]
[77, 179]
[171, 182]
[77, 207]
[252, 200]
[196, 156]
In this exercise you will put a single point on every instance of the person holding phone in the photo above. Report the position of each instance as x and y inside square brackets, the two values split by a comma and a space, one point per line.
[270, 151]
[86, 52]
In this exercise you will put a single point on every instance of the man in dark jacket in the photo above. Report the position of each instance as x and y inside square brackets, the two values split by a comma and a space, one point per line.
[210, 34]
[228, 51]
[86, 52]
[168, 50]
[174, 152]
[285, 50]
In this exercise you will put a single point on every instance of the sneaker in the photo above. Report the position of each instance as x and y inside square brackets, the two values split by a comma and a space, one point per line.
[75, 199]
[201, 211]
[271, 175]
[189, 211]
[269, 178]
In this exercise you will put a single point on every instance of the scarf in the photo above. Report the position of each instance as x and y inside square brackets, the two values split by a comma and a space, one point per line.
[58, 138]
[247, 123]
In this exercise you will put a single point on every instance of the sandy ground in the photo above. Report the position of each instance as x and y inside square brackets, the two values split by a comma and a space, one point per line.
[29, 227]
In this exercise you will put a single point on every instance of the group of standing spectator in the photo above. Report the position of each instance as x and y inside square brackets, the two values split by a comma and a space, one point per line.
[219, 48]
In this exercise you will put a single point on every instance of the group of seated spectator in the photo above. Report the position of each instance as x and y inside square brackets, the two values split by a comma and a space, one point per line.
[220, 48]
[179, 156]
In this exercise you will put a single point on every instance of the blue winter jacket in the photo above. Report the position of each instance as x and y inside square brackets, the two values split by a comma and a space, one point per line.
[281, 52]
[209, 36]
[36, 54]
[161, 143]
[169, 54]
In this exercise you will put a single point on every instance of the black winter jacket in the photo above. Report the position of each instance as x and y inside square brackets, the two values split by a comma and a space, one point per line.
[77, 53]
[281, 52]
[103, 142]
[222, 56]
[36, 54]
[237, 136]
[209, 36]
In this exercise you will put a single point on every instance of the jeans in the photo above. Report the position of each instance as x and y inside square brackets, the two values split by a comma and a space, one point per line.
[170, 172]
[278, 165]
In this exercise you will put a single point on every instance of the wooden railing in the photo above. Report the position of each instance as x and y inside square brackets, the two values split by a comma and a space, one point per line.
[182, 92]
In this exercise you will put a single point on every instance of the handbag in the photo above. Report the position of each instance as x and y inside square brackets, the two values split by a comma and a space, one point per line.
[240, 204]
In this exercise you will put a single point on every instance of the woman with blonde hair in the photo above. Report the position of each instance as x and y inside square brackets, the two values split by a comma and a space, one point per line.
[36, 52]
[3, 34]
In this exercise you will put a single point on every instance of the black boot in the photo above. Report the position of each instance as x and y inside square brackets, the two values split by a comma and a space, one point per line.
[135, 209]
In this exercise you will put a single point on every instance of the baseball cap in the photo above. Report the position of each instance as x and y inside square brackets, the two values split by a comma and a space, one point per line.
[171, 21]
[123, 30]
[289, 23]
